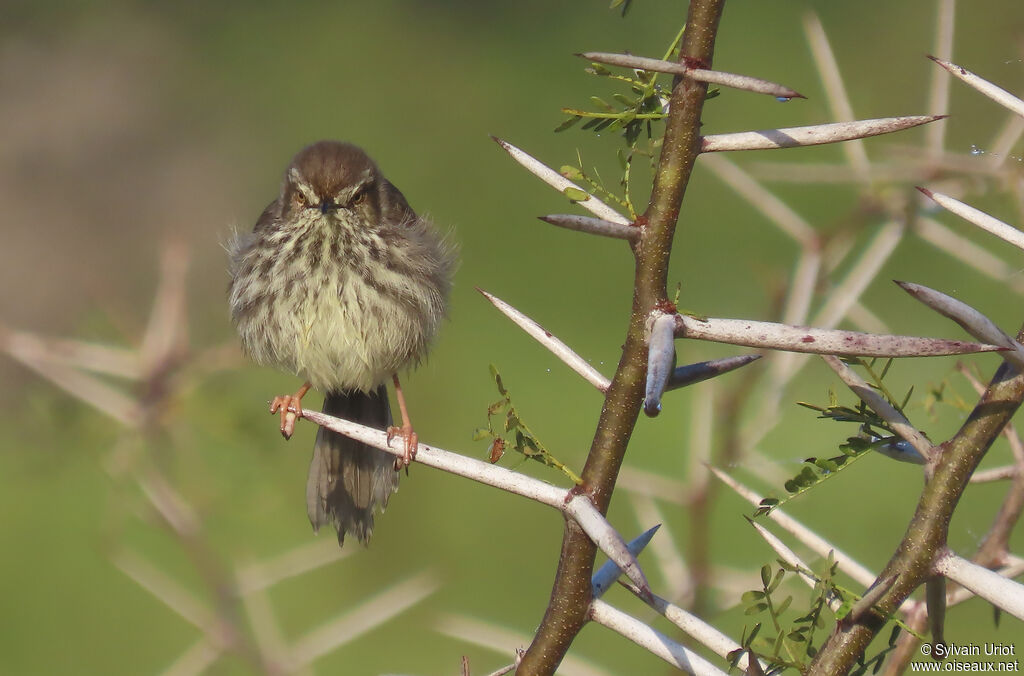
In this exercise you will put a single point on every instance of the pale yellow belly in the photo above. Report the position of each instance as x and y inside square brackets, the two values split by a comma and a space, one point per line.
[351, 339]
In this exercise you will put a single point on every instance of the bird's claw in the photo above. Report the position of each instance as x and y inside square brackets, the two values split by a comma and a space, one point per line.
[290, 407]
[411, 445]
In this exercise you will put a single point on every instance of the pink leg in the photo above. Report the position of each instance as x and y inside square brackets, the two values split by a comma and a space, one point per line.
[405, 431]
[290, 406]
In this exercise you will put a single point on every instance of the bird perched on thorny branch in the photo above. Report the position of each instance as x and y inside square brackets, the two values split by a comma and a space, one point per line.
[341, 283]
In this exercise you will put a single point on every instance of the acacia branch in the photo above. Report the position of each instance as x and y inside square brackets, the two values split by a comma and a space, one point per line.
[925, 539]
[576, 507]
[568, 609]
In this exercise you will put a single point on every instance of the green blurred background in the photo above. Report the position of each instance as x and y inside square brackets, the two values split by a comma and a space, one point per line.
[131, 124]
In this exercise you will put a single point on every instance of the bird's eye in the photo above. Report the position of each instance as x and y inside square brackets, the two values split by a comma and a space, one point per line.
[300, 199]
[358, 198]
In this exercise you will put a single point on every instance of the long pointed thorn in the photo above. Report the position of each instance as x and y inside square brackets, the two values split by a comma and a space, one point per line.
[165, 589]
[897, 421]
[995, 474]
[835, 91]
[967, 252]
[988, 584]
[607, 539]
[549, 341]
[935, 600]
[938, 95]
[607, 574]
[994, 92]
[78, 354]
[744, 82]
[167, 329]
[691, 374]
[864, 271]
[593, 226]
[977, 217]
[372, 613]
[805, 535]
[294, 562]
[1013, 568]
[694, 627]
[87, 388]
[652, 640]
[819, 134]
[790, 557]
[774, 336]
[675, 574]
[764, 200]
[974, 322]
[561, 183]
[1002, 145]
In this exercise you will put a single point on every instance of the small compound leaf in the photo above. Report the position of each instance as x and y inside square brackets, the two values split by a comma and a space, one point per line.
[576, 195]
[571, 172]
[751, 596]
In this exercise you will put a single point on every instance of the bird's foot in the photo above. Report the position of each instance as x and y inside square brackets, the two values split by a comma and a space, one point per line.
[411, 445]
[290, 408]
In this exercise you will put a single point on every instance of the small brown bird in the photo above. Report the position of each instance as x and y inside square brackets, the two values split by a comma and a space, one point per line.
[341, 283]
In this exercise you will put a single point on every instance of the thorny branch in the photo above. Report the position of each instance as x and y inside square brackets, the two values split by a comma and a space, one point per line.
[920, 559]
[925, 539]
[569, 607]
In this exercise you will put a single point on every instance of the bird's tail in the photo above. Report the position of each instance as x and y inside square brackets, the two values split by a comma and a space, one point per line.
[347, 479]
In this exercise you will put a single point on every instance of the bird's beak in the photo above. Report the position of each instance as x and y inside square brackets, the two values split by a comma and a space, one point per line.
[327, 205]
